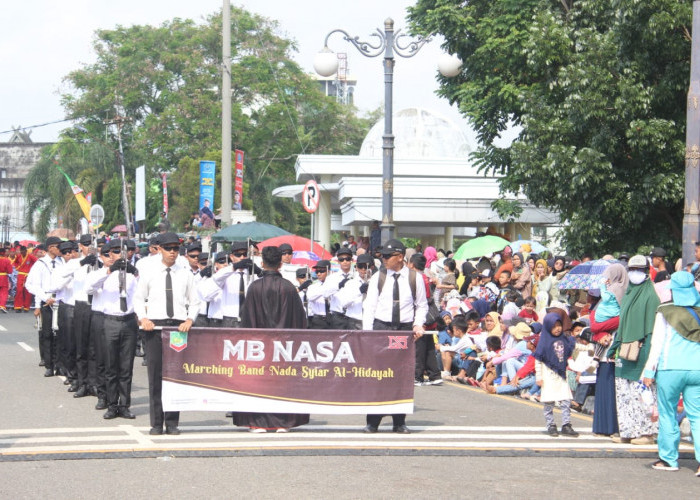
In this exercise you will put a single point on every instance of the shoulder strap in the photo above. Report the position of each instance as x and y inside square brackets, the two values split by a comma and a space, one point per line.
[693, 313]
[382, 279]
[412, 283]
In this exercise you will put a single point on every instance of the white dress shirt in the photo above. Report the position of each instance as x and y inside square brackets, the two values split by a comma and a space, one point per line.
[379, 306]
[229, 281]
[316, 299]
[39, 278]
[350, 298]
[210, 293]
[150, 296]
[107, 285]
[330, 289]
[63, 282]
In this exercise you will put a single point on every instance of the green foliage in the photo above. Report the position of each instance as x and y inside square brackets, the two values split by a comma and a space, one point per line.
[167, 82]
[598, 89]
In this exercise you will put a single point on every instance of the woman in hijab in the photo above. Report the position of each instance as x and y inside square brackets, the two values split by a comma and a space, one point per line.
[541, 285]
[520, 278]
[558, 272]
[605, 410]
[674, 361]
[493, 325]
[639, 306]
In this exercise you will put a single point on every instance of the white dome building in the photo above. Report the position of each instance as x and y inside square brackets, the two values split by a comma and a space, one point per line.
[438, 193]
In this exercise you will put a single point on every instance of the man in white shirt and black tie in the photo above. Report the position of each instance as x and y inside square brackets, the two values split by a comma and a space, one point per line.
[401, 304]
[165, 297]
[334, 284]
[234, 280]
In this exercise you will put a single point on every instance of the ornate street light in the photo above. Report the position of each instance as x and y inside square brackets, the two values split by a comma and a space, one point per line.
[387, 42]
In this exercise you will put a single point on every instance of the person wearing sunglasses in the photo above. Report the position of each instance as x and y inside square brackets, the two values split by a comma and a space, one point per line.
[333, 284]
[234, 281]
[119, 328]
[38, 283]
[397, 306]
[352, 295]
[319, 306]
[166, 296]
[288, 270]
[193, 251]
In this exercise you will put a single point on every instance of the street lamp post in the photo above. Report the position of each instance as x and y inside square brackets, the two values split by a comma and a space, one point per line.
[389, 42]
[691, 210]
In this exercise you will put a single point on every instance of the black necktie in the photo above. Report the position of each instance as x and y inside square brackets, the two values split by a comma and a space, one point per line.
[241, 288]
[53, 263]
[169, 310]
[396, 305]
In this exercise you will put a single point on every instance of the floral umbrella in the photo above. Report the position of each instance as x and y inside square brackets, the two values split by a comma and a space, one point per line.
[586, 276]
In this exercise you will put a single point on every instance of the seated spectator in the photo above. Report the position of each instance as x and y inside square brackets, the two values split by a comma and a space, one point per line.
[510, 360]
[528, 311]
[524, 380]
[511, 310]
[583, 365]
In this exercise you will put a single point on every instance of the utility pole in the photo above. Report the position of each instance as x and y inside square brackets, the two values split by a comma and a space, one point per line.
[691, 210]
[226, 117]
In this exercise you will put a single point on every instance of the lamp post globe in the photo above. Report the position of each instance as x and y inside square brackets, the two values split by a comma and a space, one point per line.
[326, 62]
[449, 65]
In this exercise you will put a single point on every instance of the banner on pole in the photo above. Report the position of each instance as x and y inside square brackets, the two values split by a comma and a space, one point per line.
[140, 201]
[207, 182]
[165, 193]
[238, 185]
[288, 371]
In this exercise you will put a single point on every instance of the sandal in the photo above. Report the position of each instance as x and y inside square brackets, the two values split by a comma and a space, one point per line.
[697, 473]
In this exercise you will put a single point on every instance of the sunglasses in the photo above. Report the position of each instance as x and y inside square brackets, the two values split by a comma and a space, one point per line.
[344, 259]
[171, 249]
[239, 254]
[193, 256]
[116, 250]
[361, 266]
[319, 271]
[66, 252]
[287, 253]
[389, 256]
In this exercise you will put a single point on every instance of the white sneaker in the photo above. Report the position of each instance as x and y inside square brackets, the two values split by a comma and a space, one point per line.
[257, 430]
[445, 374]
[282, 430]
[437, 381]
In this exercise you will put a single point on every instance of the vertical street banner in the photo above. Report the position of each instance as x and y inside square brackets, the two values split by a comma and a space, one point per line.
[207, 181]
[140, 199]
[165, 192]
[238, 184]
[288, 371]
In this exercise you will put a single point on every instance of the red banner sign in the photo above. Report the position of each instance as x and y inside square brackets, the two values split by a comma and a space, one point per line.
[165, 193]
[238, 183]
[289, 371]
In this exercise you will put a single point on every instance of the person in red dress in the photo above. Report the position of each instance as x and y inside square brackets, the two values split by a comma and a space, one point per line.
[5, 272]
[23, 263]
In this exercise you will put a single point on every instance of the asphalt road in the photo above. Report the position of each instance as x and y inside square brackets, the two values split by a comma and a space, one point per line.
[464, 443]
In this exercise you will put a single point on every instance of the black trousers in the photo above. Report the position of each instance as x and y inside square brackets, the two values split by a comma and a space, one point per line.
[201, 321]
[46, 338]
[66, 340]
[425, 358]
[319, 323]
[229, 322]
[154, 355]
[339, 321]
[120, 346]
[398, 418]
[97, 354]
[81, 326]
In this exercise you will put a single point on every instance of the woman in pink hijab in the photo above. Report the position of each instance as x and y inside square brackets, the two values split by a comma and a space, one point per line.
[430, 256]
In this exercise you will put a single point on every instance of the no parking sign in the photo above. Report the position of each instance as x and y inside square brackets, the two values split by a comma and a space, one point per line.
[311, 196]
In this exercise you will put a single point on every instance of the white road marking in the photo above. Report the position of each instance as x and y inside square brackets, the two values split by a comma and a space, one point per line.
[2, 329]
[26, 347]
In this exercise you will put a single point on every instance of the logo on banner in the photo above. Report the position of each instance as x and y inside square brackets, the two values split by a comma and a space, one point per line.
[398, 342]
[178, 341]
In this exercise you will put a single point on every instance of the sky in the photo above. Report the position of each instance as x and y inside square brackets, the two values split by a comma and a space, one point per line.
[41, 41]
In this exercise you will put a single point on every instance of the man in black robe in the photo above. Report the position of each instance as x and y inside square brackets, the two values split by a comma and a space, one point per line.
[272, 302]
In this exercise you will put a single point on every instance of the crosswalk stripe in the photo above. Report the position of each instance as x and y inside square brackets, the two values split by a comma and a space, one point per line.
[26, 347]
[2, 329]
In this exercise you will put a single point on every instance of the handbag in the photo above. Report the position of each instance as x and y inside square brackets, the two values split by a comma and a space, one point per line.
[630, 350]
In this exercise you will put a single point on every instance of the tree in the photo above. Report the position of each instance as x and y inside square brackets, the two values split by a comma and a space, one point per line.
[597, 89]
[162, 84]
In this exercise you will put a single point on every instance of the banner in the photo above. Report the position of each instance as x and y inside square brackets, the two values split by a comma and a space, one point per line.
[140, 198]
[207, 181]
[165, 193]
[288, 371]
[79, 196]
[238, 186]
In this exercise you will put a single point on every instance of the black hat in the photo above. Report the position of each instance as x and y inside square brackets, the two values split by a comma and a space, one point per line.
[221, 257]
[52, 240]
[104, 250]
[203, 257]
[392, 246]
[194, 246]
[154, 241]
[286, 247]
[101, 241]
[115, 243]
[586, 334]
[86, 240]
[322, 264]
[364, 259]
[344, 251]
[302, 272]
[238, 245]
[657, 252]
[41, 246]
[168, 239]
[130, 245]
[65, 245]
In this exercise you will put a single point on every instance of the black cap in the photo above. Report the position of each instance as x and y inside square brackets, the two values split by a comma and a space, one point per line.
[115, 243]
[203, 257]
[194, 246]
[41, 246]
[104, 250]
[65, 245]
[393, 246]
[168, 239]
[86, 240]
[364, 259]
[657, 252]
[286, 247]
[238, 245]
[322, 264]
[221, 257]
[302, 272]
[101, 241]
[154, 241]
[52, 240]
[130, 245]
[344, 251]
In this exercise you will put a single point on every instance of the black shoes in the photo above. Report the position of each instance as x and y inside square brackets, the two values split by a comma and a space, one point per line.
[401, 429]
[73, 387]
[42, 363]
[125, 413]
[552, 430]
[48, 372]
[110, 414]
[567, 430]
[101, 404]
[370, 429]
[172, 430]
[81, 392]
[156, 431]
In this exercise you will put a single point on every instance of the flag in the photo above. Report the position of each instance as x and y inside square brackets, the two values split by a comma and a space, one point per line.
[79, 196]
